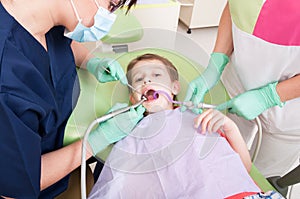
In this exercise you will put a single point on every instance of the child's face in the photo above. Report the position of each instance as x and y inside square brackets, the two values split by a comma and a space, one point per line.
[149, 76]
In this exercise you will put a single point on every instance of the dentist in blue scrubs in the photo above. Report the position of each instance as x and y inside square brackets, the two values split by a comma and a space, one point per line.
[39, 49]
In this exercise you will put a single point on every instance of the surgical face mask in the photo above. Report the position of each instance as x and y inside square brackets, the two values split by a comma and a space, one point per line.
[103, 21]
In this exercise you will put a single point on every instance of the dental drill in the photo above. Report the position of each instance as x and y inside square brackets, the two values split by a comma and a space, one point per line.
[190, 105]
[86, 135]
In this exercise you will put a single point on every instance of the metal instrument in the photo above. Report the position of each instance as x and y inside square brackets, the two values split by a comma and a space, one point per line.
[130, 86]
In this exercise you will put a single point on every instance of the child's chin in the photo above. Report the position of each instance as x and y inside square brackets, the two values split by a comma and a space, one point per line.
[153, 108]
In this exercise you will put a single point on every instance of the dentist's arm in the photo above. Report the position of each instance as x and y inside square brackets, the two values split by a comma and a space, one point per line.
[57, 164]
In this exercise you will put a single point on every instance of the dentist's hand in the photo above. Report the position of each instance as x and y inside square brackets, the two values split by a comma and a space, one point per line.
[201, 85]
[115, 128]
[106, 70]
[253, 102]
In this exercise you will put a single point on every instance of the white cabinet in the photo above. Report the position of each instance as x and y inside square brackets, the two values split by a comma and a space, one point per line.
[158, 14]
[201, 13]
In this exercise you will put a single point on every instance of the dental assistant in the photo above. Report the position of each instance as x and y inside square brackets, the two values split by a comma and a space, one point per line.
[39, 49]
[262, 39]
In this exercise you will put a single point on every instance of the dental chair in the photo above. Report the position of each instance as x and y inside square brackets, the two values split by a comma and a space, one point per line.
[282, 183]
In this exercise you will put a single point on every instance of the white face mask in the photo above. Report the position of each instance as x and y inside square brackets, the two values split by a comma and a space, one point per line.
[103, 21]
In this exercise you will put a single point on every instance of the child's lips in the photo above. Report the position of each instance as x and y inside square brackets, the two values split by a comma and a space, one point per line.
[151, 95]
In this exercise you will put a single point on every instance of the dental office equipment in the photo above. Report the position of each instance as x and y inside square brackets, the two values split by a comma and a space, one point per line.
[106, 69]
[86, 135]
[188, 104]
[201, 105]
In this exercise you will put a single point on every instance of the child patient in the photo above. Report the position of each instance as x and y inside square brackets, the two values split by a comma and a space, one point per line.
[174, 154]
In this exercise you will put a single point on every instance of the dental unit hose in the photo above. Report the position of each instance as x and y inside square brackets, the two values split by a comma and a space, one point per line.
[85, 139]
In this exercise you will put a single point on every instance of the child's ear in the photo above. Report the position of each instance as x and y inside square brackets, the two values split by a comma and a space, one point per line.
[175, 87]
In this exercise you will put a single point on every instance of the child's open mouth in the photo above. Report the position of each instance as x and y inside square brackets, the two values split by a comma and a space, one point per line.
[151, 95]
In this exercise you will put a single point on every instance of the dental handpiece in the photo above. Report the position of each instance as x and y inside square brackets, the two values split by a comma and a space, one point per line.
[122, 110]
[201, 105]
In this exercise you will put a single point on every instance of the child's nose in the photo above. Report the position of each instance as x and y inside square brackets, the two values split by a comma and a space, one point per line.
[147, 81]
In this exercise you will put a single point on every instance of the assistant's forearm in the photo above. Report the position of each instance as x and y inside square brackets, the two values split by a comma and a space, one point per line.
[57, 164]
[289, 89]
[224, 42]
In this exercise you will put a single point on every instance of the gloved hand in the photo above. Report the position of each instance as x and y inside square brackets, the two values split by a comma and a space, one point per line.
[200, 86]
[253, 102]
[116, 128]
[106, 70]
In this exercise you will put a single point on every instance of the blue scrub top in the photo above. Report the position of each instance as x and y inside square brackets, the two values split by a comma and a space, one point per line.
[36, 95]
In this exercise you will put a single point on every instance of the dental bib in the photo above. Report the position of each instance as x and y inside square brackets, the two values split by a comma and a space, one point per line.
[161, 159]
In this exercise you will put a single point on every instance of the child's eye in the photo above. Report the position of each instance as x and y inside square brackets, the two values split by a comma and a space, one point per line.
[139, 79]
[157, 74]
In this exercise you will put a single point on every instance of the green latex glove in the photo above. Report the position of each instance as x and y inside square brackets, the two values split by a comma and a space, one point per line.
[106, 70]
[201, 85]
[253, 102]
[116, 128]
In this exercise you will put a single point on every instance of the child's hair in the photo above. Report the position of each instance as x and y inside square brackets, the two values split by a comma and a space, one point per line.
[170, 67]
